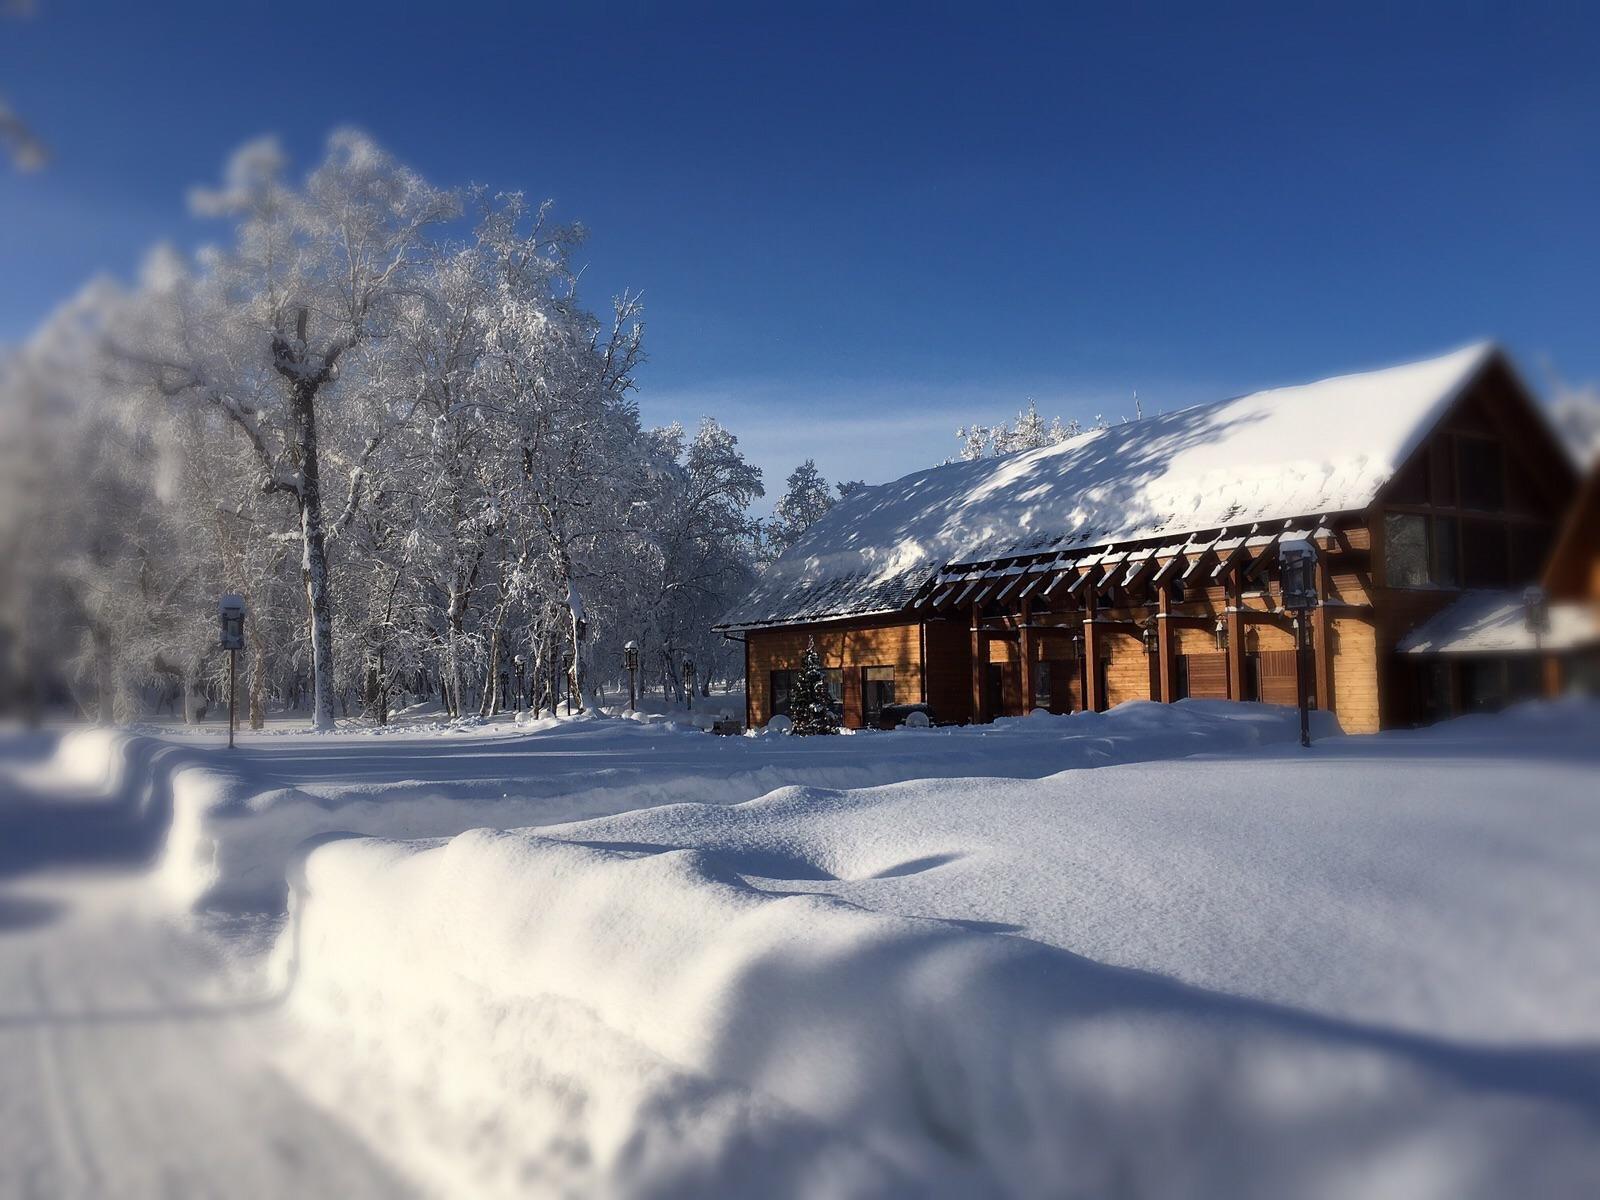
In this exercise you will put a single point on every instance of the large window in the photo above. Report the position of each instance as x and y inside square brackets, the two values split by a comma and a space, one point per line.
[1420, 551]
[1483, 481]
[877, 692]
[1485, 559]
[783, 687]
[1445, 543]
[1405, 550]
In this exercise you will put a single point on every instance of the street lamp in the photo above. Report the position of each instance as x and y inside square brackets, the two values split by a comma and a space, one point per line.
[566, 670]
[521, 663]
[630, 660]
[1220, 631]
[688, 680]
[230, 614]
[1297, 579]
[1536, 615]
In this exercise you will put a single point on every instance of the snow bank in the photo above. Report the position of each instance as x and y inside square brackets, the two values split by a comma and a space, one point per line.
[237, 820]
[644, 1004]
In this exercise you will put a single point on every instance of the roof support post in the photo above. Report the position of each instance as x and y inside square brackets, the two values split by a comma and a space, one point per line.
[1093, 701]
[749, 692]
[1025, 653]
[1322, 638]
[1234, 621]
[1166, 664]
[980, 670]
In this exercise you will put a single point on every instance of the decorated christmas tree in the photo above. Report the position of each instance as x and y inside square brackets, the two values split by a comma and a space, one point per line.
[810, 706]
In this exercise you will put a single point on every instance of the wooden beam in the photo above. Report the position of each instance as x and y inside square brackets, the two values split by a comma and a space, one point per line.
[1071, 577]
[980, 670]
[1092, 699]
[1167, 668]
[1322, 637]
[1037, 582]
[1233, 621]
[1025, 653]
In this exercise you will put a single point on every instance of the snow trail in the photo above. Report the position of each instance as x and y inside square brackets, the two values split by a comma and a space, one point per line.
[136, 1061]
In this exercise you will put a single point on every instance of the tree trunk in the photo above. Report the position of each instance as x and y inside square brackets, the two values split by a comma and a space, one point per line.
[105, 678]
[314, 561]
[258, 676]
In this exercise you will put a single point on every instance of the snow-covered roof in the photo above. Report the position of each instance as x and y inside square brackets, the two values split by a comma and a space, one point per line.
[1315, 449]
[1495, 622]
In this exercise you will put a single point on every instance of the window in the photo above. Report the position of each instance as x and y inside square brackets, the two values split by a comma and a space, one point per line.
[1530, 548]
[877, 692]
[1483, 684]
[1484, 559]
[1041, 685]
[783, 686]
[1412, 486]
[1483, 483]
[1405, 550]
[1446, 567]
[1420, 551]
[1443, 473]
[1435, 691]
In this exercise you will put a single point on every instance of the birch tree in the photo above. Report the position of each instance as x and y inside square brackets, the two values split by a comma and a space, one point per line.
[265, 327]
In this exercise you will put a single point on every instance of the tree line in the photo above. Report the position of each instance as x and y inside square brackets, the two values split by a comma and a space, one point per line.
[381, 411]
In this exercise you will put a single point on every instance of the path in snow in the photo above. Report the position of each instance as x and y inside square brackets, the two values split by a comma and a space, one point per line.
[129, 1069]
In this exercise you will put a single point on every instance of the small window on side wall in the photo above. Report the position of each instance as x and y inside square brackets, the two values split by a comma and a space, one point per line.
[782, 682]
[877, 693]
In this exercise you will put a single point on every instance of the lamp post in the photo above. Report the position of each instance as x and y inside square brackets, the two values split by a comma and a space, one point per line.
[1297, 574]
[688, 680]
[1536, 616]
[230, 614]
[630, 660]
[521, 663]
[566, 670]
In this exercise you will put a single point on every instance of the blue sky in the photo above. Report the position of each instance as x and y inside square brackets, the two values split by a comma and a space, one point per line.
[857, 225]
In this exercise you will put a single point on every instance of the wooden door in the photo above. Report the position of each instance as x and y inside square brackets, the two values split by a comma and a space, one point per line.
[1207, 675]
[1278, 679]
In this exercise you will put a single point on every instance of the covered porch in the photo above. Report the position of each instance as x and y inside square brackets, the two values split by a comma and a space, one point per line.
[1072, 631]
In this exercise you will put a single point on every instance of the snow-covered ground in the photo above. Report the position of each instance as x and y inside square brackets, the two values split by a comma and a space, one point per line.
[1157, 952]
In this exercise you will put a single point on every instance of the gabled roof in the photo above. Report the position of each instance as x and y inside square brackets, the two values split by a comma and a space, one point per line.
[1315, 449]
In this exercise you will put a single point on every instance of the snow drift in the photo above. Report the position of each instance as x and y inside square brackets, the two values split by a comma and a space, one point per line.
[238, 818]
[648, 1003]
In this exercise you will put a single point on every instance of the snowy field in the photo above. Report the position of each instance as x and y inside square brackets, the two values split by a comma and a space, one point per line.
[1156, 952]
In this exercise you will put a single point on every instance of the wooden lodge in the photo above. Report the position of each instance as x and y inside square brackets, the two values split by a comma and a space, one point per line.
[1141, 562]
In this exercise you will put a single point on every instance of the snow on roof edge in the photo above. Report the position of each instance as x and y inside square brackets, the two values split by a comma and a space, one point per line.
[1218, 464]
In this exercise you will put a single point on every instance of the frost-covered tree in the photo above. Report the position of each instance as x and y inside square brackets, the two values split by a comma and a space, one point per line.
[810, 706]
[698, 549]
[806, 498]
[1028, 432]
[265, 329]
[452, 430]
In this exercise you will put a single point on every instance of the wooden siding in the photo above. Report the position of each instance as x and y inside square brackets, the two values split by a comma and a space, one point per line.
[1355, 675]
[949, 671]
[1208, 674]
[848, 648]
[1127, 668]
